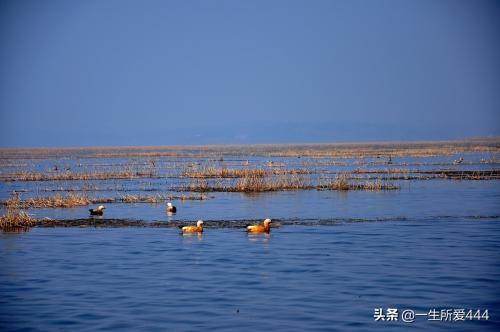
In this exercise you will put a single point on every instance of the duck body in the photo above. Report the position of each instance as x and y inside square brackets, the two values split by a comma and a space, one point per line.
[97, 212]
[193, 229]
[171, 208]
[265, 228]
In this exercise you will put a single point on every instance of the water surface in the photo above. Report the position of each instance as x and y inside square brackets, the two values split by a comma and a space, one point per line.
[299, 278]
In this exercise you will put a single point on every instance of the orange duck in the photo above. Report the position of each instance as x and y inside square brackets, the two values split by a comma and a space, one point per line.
[265, 228]
[194, 229]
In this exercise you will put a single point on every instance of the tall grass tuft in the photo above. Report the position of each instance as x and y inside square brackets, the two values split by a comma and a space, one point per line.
[15, 220]
[212, 172]
[341, 182]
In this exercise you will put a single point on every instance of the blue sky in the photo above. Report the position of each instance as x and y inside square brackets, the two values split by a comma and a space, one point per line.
[111, 72]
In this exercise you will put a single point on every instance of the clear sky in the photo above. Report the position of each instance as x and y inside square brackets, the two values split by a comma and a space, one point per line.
[115, 72]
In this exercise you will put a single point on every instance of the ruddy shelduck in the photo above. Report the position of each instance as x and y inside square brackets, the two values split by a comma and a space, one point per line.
[265, 228]
[171, 208]
[194, 229]
[97, 212]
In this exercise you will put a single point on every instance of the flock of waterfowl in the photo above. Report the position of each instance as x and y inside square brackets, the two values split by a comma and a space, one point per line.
[198, 228]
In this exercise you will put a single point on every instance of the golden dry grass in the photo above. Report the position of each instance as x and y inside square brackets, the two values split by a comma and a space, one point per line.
[69, 201]
[340, 150]
[342, 182]
[72, 176]
[16, 219]
[213, 172]
[288, 182]
[253, 183]
[57, 201]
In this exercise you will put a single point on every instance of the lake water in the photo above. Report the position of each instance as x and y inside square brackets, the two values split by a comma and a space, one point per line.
[432, 244]
[299, 278]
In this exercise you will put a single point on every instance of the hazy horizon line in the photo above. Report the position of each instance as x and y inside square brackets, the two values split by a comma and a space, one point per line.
[339, 142]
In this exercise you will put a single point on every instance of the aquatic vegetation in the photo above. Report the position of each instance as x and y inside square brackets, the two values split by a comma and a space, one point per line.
[212, 172]
[342, 182]
[72, 176]
[154, 199]
[57, 201]
[468, 175]
[68, 178]
[252, 183]
[69, 201]
[16, 219]
[437, 174]
[287, 182]
[333, 150]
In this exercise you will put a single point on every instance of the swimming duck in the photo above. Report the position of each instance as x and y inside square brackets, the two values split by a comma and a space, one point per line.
[260, 228]
[97, 212]
[194, 229]
[171, 208]
[459, 161]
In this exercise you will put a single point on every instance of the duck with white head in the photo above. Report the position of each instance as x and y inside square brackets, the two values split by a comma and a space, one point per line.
[97, 212]
[171, 208]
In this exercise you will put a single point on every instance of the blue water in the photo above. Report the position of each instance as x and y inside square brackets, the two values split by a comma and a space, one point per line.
[415, 199]
[300, 278]
[438, 248]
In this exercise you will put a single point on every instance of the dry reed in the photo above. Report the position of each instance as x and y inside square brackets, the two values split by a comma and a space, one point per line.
[15, 220]
[70, 201]
[212, 172]
[337, 150]
[342, 183]
[71, 176]
[252, 183]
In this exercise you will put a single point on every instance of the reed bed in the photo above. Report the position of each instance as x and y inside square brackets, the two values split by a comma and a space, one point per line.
[335, 150]
[384, 171]
[155, 199]
[342, 183]
[57, 201]
[212, 172]
[15, 220]
[469, 175]
[71, 176]
[286, 182]
[251, 183]
[70, 201]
